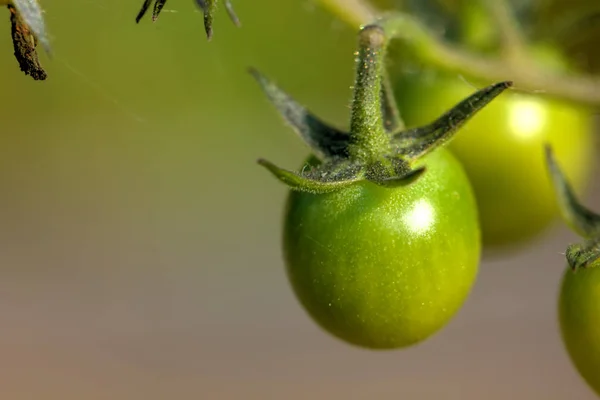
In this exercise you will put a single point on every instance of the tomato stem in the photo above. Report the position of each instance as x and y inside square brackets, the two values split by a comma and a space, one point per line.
[368, 139]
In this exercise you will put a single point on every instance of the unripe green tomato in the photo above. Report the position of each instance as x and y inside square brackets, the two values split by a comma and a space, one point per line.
[501, 150]
[579, 316]
[385, 268]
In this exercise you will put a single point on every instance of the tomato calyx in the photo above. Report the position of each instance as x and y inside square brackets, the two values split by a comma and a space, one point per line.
[208, 7]
[378, 148]
[578, 217]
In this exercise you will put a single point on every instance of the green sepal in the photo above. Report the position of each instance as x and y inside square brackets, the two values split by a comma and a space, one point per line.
[392, 172]
[583, 256]
[325, 141]
[579, 218]
[401, 180]
[417, 142]
[158, 6]
[143, 11]
[316, 181]
[208, 8]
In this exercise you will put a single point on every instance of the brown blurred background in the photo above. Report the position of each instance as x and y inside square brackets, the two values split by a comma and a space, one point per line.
[140, 242]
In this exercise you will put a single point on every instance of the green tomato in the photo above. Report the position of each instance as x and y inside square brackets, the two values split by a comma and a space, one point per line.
[385, 268]
[500, 149]
[579, 316]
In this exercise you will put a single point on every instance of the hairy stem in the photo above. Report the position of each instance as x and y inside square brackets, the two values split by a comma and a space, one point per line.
[367, 134]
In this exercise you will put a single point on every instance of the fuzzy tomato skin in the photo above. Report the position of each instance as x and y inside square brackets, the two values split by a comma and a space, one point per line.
[500, 149]
[579, 317]
[385, 268]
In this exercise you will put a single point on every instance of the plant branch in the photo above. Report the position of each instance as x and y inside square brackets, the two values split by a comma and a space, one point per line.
[512, 41]
[353, 12]
[436, 52]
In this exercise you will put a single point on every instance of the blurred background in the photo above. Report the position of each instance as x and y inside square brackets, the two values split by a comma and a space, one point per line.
[140, 242]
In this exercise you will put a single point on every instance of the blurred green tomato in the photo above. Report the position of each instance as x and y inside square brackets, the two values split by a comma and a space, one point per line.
[500, 148]
[579, 316]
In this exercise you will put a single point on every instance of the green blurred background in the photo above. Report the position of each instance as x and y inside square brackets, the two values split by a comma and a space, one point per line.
[140, 242]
